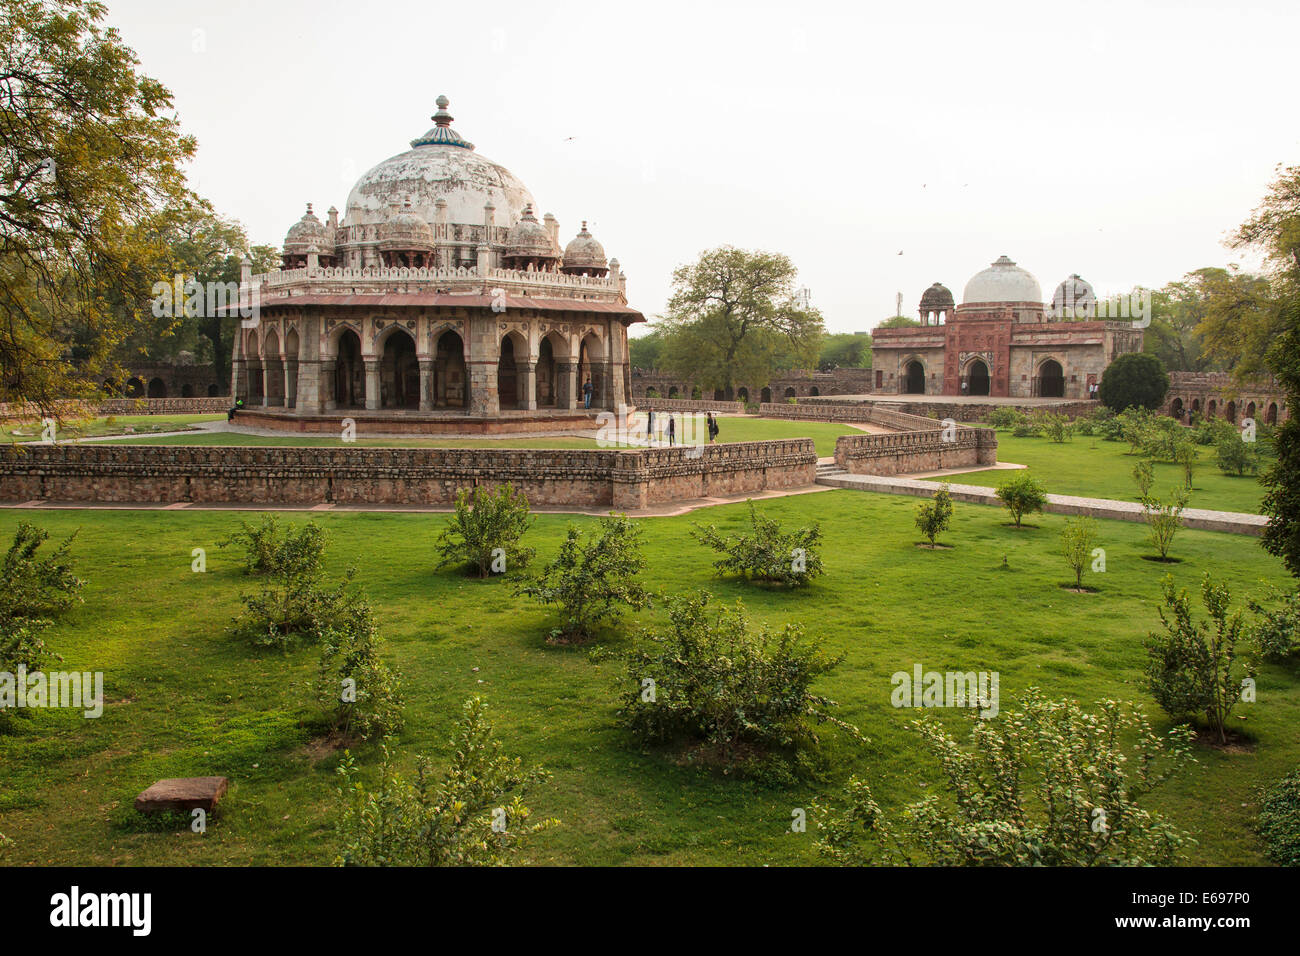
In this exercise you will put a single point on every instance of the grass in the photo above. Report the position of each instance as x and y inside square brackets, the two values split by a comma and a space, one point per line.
[115, 425]
[732, 430]
[1095, 468]
[184, 699]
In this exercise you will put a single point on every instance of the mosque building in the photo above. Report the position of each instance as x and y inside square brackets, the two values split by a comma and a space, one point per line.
[1002, 341]
[438, 296]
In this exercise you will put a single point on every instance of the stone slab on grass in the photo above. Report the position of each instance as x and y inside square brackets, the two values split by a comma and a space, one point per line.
[182, 793]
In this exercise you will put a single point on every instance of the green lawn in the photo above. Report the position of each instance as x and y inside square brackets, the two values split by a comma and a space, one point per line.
[732, 430]
[1103, 469]
[184, 699]
[118, 425]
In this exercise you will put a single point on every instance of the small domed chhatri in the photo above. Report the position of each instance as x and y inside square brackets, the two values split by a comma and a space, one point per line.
[584, 255]
[1001, 342]
[936, 305]
[441, 295]
[304, 234]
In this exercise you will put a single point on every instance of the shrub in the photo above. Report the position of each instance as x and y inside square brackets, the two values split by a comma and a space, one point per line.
[592, 578]
[1005, 416]
[483, 534]
[1049, 784]
[1057, 427]
[743, 694]
[273, 549]
[1164, 519]
[1277, 630]
[473, 816]
[932, 516]
[1185, 455]
[1191, 668]
[359, 691]
[293, 607]
[766, 553]
[1022, 494]
[1144, 475]
[1134, 379]
[34, 586]
[1279, 821]
[1026, 428]
[1236, 456]
[1077, 540]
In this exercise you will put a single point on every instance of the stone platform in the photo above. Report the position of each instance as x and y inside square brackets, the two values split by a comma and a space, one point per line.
[182, 793]
[412, 422]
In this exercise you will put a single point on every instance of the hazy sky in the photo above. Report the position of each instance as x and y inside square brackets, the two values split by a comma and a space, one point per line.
[1118, 140]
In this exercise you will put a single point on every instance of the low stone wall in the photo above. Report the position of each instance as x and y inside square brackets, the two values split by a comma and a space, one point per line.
[966, 411]
[269, 475]
[849, 412]
[691, 405]
[913, 451]
[116, 406]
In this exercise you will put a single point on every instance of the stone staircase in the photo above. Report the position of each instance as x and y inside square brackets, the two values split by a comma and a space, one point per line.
[827, 470]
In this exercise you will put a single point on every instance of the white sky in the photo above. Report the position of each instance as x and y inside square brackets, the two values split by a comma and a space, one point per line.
[1120, 140]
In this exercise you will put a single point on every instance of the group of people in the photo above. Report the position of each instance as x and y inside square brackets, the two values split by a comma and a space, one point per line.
[710, 423]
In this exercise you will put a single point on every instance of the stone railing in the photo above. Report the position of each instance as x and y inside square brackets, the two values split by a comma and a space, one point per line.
[274, 475]
[376, 276]
[916, 451]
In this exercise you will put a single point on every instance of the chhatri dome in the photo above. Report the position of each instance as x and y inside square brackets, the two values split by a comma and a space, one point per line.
[1003, 281]
[440, 165]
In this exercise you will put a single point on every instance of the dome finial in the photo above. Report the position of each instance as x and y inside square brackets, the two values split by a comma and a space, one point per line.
[442, 117]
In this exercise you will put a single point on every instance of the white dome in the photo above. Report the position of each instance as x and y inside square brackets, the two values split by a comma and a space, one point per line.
[1003, 281]
[439, 165]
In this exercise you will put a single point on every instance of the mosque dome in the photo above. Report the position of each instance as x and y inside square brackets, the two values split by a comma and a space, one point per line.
[441, 164]
[584, 254]
[1003, 281]
[1074, 298]
[306, 232]
[936, 297]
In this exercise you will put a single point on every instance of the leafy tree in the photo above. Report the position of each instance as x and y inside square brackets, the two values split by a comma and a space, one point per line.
[1191, 669]
[845, 350]
[34, 585]
[473, 816]
[483, 534]
[766, 553]
[714, 681]
[1049, 784]
[1078, 538]
[933, 516]
[92, 159]
[733, 316]
[1144, 475]
[1134, 378]
[899, 322]
[592, 578]
[1022, 494]
[1236, 456]
[1186, 457]
[1164, 519]
[646, 351]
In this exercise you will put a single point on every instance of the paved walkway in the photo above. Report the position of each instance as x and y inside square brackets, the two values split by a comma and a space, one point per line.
[1200, 518]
